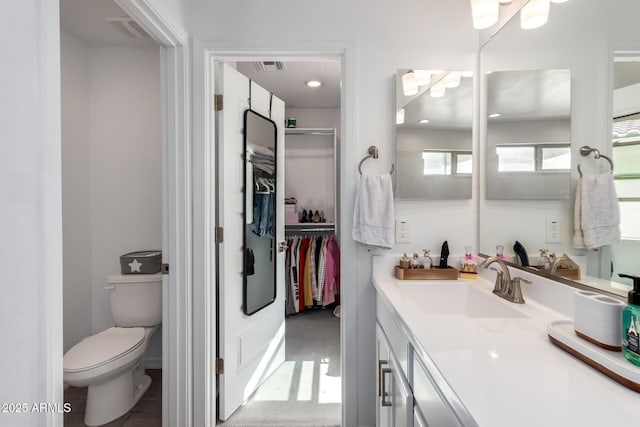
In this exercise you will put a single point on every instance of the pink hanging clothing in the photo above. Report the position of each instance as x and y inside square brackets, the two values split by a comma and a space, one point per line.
[332, 272]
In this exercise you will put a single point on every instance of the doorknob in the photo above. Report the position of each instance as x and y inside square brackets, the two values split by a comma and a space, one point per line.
[282, 246]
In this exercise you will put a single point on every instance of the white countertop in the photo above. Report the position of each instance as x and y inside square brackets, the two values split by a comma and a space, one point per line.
[506, 372]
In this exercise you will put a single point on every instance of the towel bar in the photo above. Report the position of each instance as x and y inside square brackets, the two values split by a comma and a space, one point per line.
[373, 153]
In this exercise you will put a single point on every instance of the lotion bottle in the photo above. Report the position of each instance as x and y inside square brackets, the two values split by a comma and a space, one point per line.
[631, 323]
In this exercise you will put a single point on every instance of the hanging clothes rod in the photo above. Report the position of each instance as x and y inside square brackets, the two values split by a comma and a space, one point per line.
[585, 150]
[373, 154]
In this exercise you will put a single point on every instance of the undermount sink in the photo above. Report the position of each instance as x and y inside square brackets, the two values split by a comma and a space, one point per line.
[458, 299]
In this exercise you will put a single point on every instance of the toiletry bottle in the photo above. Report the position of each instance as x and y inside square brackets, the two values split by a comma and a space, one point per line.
[427, 262]
[631, 323]
[415, 261]
[500, 252]
[468, 264]
[545, 260]
[405, 262]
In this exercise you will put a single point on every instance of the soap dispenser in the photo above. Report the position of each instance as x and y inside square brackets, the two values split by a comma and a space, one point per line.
[427, 262]
[631, 323]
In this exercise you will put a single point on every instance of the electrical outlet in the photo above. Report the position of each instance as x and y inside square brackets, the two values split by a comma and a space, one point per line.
[402, 231]
[553, 233]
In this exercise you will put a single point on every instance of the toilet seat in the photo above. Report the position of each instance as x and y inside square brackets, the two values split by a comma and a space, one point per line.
[102, 348]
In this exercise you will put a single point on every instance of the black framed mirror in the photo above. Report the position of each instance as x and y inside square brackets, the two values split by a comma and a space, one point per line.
[259, 213]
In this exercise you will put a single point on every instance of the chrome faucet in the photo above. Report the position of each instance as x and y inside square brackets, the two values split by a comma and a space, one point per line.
[506, 287]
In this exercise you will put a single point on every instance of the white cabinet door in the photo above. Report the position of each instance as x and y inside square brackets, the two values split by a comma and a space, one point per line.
[383, 377]
[402, 396]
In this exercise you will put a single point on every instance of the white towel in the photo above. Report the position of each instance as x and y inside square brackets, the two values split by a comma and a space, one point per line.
[596, 215]
[373, 216]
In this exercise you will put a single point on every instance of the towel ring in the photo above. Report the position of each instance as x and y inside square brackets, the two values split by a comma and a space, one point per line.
[585, 150]
[373, 154]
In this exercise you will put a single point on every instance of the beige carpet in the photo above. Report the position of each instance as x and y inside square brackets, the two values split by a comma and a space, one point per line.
[305, 391]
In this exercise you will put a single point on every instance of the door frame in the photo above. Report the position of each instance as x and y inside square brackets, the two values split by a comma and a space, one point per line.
[177, 390]
[205, 55]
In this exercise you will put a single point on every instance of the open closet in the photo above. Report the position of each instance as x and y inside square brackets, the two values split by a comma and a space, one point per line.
[293, 378]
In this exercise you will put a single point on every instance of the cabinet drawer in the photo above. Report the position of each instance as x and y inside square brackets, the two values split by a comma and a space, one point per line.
[397, 339]
[432, 406]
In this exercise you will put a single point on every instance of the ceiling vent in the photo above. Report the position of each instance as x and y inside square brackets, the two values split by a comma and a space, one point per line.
[129, 27]
[270, 66]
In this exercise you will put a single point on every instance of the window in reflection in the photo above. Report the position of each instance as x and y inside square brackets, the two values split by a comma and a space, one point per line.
[438, 162]
[516, 159]
[533, 157]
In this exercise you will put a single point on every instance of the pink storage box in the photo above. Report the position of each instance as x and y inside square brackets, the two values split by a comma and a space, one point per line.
[290, 217]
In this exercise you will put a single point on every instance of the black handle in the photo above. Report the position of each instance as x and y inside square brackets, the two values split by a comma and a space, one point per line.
[444, 254]
[636, 279]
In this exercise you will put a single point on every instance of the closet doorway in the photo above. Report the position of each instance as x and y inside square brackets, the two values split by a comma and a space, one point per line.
[306, 387]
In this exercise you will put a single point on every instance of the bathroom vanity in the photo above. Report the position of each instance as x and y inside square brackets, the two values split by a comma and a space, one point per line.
[451, 353]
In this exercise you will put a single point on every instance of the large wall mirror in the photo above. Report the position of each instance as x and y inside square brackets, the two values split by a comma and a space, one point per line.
[433, 134]
[590, 51]
[259, 284]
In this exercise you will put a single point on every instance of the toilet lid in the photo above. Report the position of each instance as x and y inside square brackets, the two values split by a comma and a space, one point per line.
[102, 348]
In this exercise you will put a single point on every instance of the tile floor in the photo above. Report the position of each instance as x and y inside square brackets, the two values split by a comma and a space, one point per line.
[146, 413]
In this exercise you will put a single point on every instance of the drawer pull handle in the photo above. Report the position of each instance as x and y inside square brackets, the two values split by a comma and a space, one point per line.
[380, 363]
[383, 401]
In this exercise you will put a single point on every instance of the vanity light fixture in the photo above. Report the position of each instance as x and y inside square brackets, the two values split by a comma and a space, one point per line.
[423, 77]
[452, 79]
[313, 83]
[534, 14]
[485, 13]
[409, 83]
[423, 121]
[400, 116]
[438, 90]
[494, 115]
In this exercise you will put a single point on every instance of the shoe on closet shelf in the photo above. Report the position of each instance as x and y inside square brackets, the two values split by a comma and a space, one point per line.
[336, 311]
[316, 217]
[322, 217]
[303, 217]
[310, 216]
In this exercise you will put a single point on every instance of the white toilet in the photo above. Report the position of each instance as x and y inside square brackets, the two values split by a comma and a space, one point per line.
[111, 363]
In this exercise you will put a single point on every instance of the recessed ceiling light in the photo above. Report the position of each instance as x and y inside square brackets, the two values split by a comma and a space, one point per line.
[494, 115]
[423, 121]
[313, 83]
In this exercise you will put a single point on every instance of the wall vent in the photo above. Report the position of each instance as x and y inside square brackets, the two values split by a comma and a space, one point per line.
[129, 27]
[270, 66]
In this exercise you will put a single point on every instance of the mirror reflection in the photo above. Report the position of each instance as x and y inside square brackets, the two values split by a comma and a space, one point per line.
[259, 284]
[528, 150]
[596, 83]
[433, 134]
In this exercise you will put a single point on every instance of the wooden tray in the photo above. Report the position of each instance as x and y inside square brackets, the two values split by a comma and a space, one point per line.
[567, 273]
[435, 273]
[611, 363]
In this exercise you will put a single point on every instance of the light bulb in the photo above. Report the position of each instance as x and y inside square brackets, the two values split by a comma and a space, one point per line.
[423, 77]
[485, 13]
[534, 14]
[409, 83]
[400, 116]
[452, 79]
[438, 90]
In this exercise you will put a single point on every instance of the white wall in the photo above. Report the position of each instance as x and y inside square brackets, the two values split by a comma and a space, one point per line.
[30, 210]
[126, 165]
[381, 37]
[112, 175]
[76, 190]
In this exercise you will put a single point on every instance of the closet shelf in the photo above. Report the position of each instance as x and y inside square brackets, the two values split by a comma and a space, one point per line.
[312, 227]
[309, 131]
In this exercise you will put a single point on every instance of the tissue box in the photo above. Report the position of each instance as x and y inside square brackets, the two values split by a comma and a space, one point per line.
[598, 319]
[290, 217]
[141, 262]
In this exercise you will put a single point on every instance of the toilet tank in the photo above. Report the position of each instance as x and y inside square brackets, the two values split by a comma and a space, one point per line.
[136, 299]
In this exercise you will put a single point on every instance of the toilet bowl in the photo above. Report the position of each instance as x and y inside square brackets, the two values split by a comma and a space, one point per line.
[111, 363]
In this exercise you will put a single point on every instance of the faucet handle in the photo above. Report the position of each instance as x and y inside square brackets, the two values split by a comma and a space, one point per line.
[516, 291]
[499, 286]
[519, 279]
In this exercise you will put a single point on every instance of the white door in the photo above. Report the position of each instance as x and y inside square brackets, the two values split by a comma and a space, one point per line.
[252, 347]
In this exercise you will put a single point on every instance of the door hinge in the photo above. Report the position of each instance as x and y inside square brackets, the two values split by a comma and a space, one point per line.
[164, 268]
[219, 366]
[217, 101]
[219, 235]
